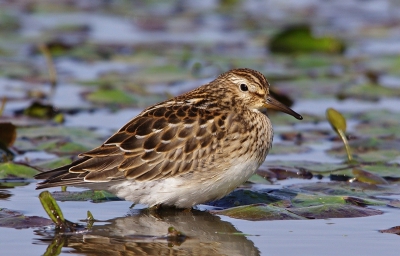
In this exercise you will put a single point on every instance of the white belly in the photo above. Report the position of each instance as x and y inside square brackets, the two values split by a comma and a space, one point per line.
[185, 191]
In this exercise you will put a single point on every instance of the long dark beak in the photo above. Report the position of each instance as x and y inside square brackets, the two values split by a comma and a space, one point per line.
[272, 103]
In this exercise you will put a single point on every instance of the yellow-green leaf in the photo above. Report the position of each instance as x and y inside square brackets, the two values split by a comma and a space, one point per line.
[52, 209]
[336, 120]
[368, 177]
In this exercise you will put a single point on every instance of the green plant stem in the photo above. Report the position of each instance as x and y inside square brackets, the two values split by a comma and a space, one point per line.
[346, 144]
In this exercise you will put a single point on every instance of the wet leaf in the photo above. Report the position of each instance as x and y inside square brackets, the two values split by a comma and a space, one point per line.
[52, 209]
[281, 173]
[334, 211]
[313, 167]
[244, 197]
[13, 170]
[110, 96]
[286, 148]
[355, 189]
[363, 201]
[14, 219]
[338, 123]
[89, 216]
[257, 179]
[369, 92]
[368, 177]
[40, 110]
[258, 212]
[298, 38]
[53, 163]
[63, 147]
[83, 138]
[306, 200]
[336, 120]
[94, 196]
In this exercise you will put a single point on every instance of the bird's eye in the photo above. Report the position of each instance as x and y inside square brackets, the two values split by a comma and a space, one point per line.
[244, 87]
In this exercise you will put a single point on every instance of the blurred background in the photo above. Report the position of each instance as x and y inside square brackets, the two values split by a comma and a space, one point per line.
[118, 54]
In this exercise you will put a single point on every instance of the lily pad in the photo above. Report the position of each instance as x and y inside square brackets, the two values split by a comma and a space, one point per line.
[368, 177]
[53, 163]
[110, 96]
[14, 219]
[257, 212]
[14, 170]
[299, 39]
[370, 92]
[306, 200]
[63, 147]
[355, 189]
[286, 148]
[43, 111]
[281, 173]
[244, 197]
[71, 138]
[94, 196]
[334, 211]
[313, 167]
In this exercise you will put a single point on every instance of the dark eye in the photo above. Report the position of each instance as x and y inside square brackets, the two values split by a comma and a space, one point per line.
[243, 87]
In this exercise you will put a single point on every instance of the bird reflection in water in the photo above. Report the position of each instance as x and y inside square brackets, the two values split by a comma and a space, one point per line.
[145, 233]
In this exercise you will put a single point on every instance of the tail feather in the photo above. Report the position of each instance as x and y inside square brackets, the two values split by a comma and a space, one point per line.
[61, 176]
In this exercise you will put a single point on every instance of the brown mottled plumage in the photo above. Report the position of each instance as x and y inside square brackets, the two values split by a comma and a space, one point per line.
[188, 150]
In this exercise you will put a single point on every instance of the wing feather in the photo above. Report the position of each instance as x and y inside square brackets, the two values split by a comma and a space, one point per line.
[163, 141]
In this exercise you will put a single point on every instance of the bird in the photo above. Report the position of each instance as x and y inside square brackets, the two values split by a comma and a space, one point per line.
[194, 148]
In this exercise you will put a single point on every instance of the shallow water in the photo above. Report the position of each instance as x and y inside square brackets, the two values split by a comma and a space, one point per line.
[221, 234]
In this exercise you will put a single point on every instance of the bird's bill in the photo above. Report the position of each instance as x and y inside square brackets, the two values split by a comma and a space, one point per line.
[272, 103]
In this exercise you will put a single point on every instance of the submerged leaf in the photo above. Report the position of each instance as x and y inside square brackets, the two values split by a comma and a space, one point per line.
[368, 177]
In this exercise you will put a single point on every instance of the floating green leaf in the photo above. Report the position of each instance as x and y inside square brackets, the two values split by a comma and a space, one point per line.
[110, 96]
[368, 177]
[244, 197]
[40, 110]
[258, 212]
[13, 170]
[334, 211]
[298, 38]
[95, 196]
